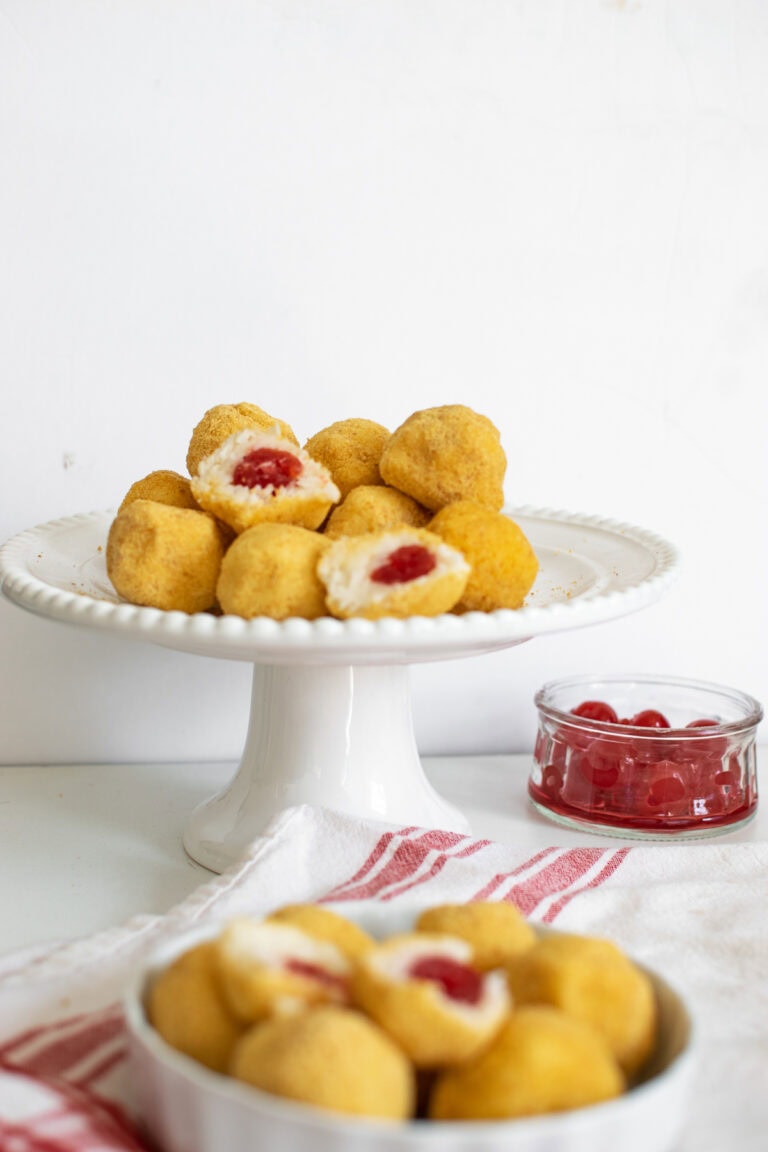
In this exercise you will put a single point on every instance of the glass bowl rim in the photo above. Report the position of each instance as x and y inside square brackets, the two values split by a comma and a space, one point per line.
[752, 707]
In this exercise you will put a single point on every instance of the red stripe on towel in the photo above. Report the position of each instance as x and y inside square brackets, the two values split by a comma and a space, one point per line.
[381, 846]
[62, 1052]
[558, 876]
[437, 866]
[615, 860]
[407, 858]
[105, 1066]
[69, 1120]
[496, 881]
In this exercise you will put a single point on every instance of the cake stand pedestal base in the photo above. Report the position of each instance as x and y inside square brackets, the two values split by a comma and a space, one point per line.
[334, 736]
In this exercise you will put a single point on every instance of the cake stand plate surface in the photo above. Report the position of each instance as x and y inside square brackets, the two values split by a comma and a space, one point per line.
[331, 720]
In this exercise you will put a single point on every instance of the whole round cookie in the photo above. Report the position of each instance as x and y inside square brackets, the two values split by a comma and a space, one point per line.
[188, 1009]
[271, 570]
[160, 556]
[331, 1058]
[164, 486]
[541, 1061]
[372, 508]
[495, 930]
[504, 564]
[350, 450]
[592, 980]
[439, 455]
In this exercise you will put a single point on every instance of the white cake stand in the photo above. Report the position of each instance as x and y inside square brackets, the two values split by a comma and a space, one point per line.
[331, 721]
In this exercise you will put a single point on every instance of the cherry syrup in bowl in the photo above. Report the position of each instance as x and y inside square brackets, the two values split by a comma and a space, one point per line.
[645, 757]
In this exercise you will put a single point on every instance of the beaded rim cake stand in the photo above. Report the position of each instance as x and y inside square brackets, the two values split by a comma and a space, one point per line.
[331, 721]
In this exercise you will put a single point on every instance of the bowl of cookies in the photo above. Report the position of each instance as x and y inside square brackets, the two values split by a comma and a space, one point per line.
[458, 1027]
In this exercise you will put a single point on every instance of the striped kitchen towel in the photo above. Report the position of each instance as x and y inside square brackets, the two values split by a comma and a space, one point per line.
[696, 912]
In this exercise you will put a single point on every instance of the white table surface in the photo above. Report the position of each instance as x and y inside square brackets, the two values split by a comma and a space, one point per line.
[84, 848]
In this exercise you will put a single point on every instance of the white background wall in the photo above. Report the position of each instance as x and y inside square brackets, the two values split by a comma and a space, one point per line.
[555, 211]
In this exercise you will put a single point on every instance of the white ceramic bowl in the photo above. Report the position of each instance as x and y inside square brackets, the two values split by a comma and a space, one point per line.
[186, 1108]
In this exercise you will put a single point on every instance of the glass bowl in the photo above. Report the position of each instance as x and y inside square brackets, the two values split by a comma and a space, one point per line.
[645, 757]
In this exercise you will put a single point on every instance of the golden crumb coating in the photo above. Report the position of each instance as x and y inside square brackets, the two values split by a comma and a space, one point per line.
[424, 991]
[165, 557]
[495, 930]
[593, 981]
[504, 564]
[440, 455]
[271, 570]
[164, 486]
[356, 569]
[331, 1058]
[258, 477]
[221, 421]
[541, 1061]
[187, 1008]
[268, 968]
[350, 450]
[324, 924]
[372, 508]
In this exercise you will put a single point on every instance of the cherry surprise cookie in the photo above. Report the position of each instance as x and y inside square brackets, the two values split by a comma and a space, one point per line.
[440, 455]
[402, 572]
[504, 565]
[271, 570]
[373, 508]
[541, 1061]
[593, 981]
[187, 1007]
[350, 450]
[496, 931]
[268, 968]
[222, 421]
[165, 557]
[332, 1058]
[424, 991]
[163, 486]
[256, 477]
[324, 924]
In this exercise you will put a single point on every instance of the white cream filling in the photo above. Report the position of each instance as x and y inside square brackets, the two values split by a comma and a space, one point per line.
[349, 583]
[215, 473]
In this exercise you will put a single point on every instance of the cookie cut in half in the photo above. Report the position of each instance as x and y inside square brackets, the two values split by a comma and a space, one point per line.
[222, 421]
[259, 477]
[269, 969]
[423, 990]
[402, 572]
